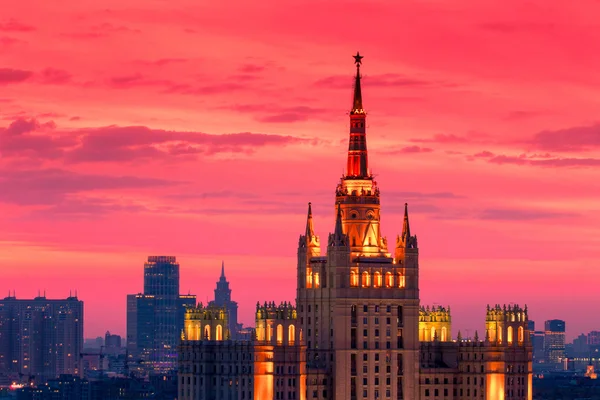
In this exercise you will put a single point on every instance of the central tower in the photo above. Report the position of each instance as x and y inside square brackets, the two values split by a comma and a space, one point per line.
[358, 304]
[357, 194]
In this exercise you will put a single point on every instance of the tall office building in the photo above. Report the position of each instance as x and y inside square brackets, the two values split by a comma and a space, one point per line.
[223, 299]
[358, 330]
[41, 338]
[554, 341]
[155, 317]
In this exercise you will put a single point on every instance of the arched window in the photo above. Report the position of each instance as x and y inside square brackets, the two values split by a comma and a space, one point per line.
[377, 280]
[366, 279]
[309, 280]
[401, 280]
[197, 335]
[499, 334]
[389, 279]
[521, 335]
[509, 335]
[433, 333]
[444, 334]
[206, 332]
[353, 279]
[279, 334]
[269, 332]
[219, 332]
[317, 281]
[291, 334]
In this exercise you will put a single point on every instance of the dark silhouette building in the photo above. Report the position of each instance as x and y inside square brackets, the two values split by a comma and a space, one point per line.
[223, 299]
[155, 317]
[40, 339]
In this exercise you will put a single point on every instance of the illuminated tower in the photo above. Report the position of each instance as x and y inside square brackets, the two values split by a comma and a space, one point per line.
[358, 305]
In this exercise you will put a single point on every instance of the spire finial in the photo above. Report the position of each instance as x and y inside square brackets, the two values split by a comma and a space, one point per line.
[339, 232]
[222, 268]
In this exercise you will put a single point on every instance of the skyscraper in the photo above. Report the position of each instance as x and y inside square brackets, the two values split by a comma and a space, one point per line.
[155, 318]
[40, 338]
[223, 299]
[554, 340]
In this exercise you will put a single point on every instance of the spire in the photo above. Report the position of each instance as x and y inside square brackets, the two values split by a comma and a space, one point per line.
[338, 238]
[310, 230]
[339, 232]
[223, 269]
[357, 107]
[357, 146]
[406, 226]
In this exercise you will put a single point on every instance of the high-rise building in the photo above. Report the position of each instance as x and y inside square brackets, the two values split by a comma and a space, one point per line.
[155, 317]
[362, 331]
[593, 338]
[554, 341]
[223, 299]
[41, 338]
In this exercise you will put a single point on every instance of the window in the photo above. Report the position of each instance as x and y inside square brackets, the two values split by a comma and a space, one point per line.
[389, 280]
[426, 392]
[377, 279]
[365, 308]
[365, 357]
[366, 279]
[353, 279]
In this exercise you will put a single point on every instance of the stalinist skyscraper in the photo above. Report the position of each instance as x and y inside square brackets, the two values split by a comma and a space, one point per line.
[358, 303]
[357, 331]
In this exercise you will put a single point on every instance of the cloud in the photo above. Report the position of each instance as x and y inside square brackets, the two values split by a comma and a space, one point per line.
[29, 138]
[55, 76]
[517, 26]
[273, 113]
[508, 214]
[579, 138]
[424, 195]
[406, 150]
[442, 138]
[251, 68]
[9, 75]
[52, 186]
[537, 160]
[162, 61]
[15, 26]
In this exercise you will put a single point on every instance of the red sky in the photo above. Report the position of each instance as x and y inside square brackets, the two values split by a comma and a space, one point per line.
[202, 129]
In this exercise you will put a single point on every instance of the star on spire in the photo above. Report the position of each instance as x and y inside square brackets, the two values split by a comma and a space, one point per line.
[358, 58]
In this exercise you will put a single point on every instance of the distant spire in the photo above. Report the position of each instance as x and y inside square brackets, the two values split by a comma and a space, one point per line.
[223, 269]
[310, 230]
[406, 226]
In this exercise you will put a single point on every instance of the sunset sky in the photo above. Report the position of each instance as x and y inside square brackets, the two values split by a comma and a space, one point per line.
[202, 129]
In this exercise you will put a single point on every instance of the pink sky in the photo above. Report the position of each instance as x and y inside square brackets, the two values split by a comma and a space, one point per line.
[202, 129]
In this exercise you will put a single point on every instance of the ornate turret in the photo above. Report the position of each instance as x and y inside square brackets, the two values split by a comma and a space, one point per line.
[205, 323]
[338, 238]
[310, 240]
[507, 325]
[435, 324]
[357, 148]
[406, 241]
[276, 324]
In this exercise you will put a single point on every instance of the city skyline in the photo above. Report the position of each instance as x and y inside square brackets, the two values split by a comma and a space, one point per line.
[105, 156]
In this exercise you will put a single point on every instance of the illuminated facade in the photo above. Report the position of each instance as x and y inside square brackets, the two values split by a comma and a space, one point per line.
[554, 341]
[270, 366]
[359, 329]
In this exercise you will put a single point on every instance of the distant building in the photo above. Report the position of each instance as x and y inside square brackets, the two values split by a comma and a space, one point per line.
[593, 338]
[41, 338]
[223, 299]
[581, 348]
[155, 317]
[539, 352]
[554, 341]
[111, 340]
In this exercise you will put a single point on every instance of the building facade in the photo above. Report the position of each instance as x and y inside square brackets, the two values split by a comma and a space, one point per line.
[223, 299]
[360, 328]
[270, 366]
[155, 317]
[41, 338]
[554, 341]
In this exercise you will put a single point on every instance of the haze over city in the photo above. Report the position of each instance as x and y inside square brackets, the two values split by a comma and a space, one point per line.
[204, 133]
